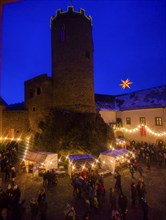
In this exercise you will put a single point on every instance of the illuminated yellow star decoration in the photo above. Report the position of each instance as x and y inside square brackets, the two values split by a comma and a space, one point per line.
[125, 84]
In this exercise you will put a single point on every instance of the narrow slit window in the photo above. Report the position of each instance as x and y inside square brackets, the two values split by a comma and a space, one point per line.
[38, 91]
[62, 33]
[87, 54]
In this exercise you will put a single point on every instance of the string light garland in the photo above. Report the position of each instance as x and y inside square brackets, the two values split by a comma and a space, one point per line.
[138, 128]
[19, 139]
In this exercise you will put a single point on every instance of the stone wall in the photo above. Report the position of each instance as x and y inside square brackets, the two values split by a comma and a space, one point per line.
[38, 99]
[15, 121]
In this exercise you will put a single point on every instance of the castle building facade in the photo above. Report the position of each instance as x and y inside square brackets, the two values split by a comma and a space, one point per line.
[71, 87]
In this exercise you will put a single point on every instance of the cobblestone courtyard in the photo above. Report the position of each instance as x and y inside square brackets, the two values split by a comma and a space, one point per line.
[58, 196]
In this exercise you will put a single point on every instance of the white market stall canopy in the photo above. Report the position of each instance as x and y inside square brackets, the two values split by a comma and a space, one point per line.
[48, 159]
[80, 161]
[112, 159]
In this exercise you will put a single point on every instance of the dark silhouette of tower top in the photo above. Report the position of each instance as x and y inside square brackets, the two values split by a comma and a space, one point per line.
[71, 12]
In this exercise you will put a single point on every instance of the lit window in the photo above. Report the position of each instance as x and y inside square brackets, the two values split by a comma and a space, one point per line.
[128, 121]
[158, 121]
[142, 120]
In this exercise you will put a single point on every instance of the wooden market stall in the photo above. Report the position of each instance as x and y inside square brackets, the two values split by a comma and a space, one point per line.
[38, 162]
[114, 159]
[80, 162]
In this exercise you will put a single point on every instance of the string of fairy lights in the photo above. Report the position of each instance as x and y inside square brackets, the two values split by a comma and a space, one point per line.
[125, 158]
[161, 134]
[19, 139]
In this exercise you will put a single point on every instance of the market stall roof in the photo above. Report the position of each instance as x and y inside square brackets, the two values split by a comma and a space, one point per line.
[36, 156]
[116, 152]
[75, 157]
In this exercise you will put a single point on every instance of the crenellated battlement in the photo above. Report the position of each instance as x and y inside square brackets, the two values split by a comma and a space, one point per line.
[70, 10]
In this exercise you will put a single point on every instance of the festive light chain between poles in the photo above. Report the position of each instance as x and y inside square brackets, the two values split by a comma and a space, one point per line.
[137, 129]
[122, 159]
[27, 140]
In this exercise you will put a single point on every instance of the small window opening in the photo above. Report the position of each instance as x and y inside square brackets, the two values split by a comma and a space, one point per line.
[31, 94]
[62, 33]
[38, 91]
[87, 54]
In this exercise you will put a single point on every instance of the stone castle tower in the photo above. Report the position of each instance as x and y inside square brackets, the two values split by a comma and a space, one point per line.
[71, 85]
[72, 61]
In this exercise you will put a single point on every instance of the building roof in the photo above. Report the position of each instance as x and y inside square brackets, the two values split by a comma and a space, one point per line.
[105, 102]
[37, 156]
[116, 152]
[75, 157]
[2, 102]
[16, 107]
[148, 98]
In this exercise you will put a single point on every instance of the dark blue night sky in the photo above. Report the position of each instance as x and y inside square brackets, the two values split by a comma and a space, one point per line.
[129, 41]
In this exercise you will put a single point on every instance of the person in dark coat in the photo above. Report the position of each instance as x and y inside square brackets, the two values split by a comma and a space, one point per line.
[133, 193]
[13, 175]
[145, 208]
[118, 186]
[140, 171]
[141, 191]
[16, 199]
[9, 195]
[7, 172]
[34, 208]
[112, 198]
[43, 209]
[9, 201]
[42, 195]
[3, 203]
[122, 202]
[16, 194]
[131, 168]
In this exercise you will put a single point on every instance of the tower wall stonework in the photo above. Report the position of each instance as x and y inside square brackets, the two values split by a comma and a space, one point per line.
[38, 99]
[72, 61]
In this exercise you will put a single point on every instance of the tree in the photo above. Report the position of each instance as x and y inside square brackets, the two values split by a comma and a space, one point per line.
[73, 130]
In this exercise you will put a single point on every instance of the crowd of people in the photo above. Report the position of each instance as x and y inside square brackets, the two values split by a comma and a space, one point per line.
[88, 187]
[91, 187]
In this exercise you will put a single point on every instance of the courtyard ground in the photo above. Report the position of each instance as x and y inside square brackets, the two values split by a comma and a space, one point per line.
[58, 196]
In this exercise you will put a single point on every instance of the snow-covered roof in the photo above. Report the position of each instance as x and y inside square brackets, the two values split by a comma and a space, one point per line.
[116, 152]
[105, 102]
[148, 98]
[75, 157]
